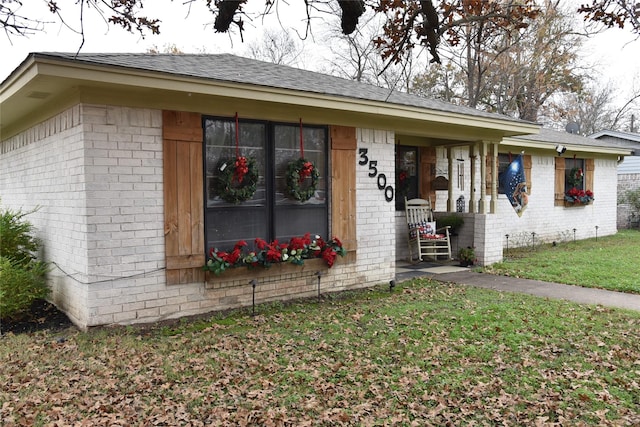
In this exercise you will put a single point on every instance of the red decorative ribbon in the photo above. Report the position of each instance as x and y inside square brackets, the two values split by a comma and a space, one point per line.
[241, 167]
[301, 140]
[237, 137]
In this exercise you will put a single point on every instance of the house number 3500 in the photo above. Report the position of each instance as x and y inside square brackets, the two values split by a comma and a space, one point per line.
[373, 173]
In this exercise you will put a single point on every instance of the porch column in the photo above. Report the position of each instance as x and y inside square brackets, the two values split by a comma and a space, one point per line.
[494, 178]
[473, 155]
[483, 177]
[451, 204]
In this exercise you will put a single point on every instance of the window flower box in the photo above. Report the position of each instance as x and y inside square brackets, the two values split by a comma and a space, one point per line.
[576, 197]
[297, 254]
[310, 268]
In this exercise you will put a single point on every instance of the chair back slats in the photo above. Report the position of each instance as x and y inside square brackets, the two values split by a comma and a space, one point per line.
[418, 211]
[426, 244]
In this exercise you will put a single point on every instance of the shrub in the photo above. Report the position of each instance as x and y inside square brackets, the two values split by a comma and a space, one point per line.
[16, 240]
[453, 221]
[22, 276]
[20, 285]
[632, 197]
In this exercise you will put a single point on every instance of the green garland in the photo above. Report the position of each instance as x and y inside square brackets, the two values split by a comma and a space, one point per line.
[297, 172]
[236, 180]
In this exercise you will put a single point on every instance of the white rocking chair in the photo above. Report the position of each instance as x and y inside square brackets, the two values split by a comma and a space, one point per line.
[425, 240]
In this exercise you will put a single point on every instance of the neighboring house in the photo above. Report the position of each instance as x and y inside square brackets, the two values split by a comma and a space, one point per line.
[628, 171]
[120, 150]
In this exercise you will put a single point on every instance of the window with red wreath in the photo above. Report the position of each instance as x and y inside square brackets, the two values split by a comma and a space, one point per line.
[235, 211]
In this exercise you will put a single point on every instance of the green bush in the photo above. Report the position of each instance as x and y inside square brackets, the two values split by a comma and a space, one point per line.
[22, 276]
[453, 221]
[20, 285]
[632, 197]
[16, 240]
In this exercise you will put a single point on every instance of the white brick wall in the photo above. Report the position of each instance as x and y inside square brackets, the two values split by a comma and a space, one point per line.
[556, 223]
[97, 172]
[487, 233]
[376, 224]
[44, 167]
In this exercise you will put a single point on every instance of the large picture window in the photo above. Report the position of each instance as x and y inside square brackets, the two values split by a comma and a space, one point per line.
[269, 214]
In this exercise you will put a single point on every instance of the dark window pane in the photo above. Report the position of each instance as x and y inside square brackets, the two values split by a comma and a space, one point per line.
[227, 223]
[504, 160]
[294, 221]
[573, 174]
[225, 227]
[220, 147]
[406, 174]
[294, 218]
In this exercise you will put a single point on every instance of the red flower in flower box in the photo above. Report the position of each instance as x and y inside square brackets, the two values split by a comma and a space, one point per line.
[578, 196]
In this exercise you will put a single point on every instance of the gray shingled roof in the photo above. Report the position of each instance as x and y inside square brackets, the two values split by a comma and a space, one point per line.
[231, 68]
[566, 138]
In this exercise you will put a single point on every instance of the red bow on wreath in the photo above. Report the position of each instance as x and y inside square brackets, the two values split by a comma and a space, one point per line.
[306, 171]
[241, 169]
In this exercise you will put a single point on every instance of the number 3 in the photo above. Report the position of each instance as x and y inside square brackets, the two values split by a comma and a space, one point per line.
[363, 155]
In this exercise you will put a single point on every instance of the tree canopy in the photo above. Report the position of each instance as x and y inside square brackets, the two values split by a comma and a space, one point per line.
[407, 23]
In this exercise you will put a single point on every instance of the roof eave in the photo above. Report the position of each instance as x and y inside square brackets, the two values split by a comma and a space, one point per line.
[542, 145]
[84, 74]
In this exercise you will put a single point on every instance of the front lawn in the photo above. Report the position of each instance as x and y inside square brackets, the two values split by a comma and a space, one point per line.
[426, 354]
[611, 262]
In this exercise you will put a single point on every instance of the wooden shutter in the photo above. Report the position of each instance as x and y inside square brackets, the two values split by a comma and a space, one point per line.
[183, 196]
[526, 160]
[427, 173]
[589, 167]
[559, 182]
[343, 185]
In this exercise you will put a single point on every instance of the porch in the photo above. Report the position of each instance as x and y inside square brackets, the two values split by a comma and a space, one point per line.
[461, 180]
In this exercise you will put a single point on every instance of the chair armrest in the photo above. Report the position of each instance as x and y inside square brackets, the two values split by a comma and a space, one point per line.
[446, 227]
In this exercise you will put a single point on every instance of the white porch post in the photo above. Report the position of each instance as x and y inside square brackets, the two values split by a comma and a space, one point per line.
[494, 178]
[483, 177]
[473, 155]
[451, 204]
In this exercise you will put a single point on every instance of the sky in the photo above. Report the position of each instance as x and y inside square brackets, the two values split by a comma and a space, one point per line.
[616, 52]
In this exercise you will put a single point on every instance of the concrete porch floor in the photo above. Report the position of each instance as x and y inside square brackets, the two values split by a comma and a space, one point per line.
[406, 270]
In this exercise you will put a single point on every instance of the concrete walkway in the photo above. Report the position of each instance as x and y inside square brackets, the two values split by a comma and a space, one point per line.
[573, 293]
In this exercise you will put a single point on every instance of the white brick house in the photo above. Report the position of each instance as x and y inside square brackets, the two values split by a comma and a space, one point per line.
[114, 150]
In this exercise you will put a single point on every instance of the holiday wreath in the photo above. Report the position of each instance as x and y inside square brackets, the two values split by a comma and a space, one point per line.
[575, 177]
[236, 180]
[297, 173]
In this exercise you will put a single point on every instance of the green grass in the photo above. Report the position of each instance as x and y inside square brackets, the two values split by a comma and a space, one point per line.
[610, 262]
[426, 354]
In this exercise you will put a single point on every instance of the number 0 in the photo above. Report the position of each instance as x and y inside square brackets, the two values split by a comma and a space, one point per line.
[388, 193]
